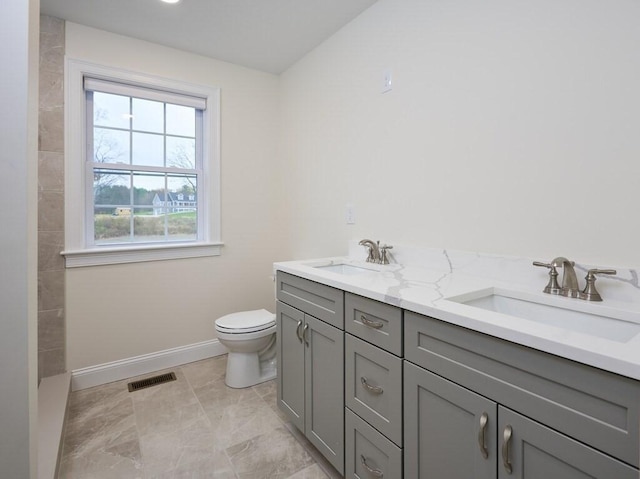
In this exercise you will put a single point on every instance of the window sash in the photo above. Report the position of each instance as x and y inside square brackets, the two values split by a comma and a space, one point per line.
[169, 171]
[126, 89]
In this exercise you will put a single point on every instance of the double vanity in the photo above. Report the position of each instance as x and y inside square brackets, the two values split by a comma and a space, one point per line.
[407, 370]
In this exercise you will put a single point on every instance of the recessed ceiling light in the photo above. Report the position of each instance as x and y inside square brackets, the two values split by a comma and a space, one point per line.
[171, 1]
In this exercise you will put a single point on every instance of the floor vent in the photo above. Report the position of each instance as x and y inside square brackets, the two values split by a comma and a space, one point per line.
[147, 383]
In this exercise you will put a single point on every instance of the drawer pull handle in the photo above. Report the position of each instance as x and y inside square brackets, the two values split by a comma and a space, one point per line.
[484, 419]
[305, 335]
[370, 470]
[369, 387]
[372, 324]
[508, 432]
[298, 331]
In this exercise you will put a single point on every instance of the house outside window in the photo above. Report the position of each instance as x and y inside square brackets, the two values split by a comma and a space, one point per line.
[148, 166]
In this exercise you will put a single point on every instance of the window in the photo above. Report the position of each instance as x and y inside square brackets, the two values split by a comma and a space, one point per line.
[144, 168]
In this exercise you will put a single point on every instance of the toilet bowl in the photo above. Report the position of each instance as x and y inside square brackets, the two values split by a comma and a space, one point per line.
[250, 337]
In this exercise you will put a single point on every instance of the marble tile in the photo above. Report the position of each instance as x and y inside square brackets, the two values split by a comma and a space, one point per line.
[51, 171]
[194, 427]
[273, 455]
[178, 449]
[269, 394]
[51, 130]
[93, 402]
[50, 210]
[216, 395]
[50, 290]
[52, 33]
[201, 374]
[50, 244]
[53, 362]
[51, 329]
[214, 466]
[117, 461]
[237, 418]
[168, 417]
[312, 472]
[323, 462]
[51, 90]
[115, 423]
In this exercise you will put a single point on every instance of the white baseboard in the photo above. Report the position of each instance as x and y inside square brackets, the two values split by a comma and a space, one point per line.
[147, 363]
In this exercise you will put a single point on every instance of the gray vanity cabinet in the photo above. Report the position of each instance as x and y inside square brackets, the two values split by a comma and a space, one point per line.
[546, 417]
[455, 433]
[310, 384]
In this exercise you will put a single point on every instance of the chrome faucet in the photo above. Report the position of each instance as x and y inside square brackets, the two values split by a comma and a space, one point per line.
[373, 250]
[570, 286]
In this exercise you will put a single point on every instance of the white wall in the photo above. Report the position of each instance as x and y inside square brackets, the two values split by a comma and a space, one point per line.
[512, 127]
[117, 312]
[18, 257]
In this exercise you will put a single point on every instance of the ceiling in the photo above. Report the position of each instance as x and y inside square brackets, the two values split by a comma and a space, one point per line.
[267, 35]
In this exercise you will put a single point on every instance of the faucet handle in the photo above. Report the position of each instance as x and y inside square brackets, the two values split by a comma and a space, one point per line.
[384, 258]
[552, 286]
[590, 293]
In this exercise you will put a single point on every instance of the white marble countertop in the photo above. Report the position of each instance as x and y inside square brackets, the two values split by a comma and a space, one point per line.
[430, 291]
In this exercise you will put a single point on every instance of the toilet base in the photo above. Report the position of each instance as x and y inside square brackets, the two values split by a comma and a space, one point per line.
[245, 370]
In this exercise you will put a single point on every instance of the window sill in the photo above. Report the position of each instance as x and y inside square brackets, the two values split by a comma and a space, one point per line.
[138, 254]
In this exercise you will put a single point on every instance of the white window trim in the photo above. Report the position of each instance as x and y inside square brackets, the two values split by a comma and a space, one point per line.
[76, 253]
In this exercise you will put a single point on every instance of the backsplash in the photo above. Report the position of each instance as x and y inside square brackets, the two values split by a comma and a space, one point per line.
[622, 287]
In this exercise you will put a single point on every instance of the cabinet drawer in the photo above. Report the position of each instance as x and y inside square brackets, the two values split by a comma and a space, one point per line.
[368, 453]
[373, 386]
[318, 300]
[593, 406]
[375, 322]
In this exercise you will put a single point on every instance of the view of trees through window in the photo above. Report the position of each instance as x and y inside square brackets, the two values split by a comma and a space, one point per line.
[145, 170]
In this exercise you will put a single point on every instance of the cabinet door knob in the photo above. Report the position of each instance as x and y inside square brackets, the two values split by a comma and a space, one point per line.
[484, 419]
[369, 387]
[372, 324]
[370, 470]
[298, 331]
[506, 437]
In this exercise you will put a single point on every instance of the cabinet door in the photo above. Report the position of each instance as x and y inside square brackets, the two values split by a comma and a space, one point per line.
[448, 429]
[324, 385]
[534, 451]
[290, 353]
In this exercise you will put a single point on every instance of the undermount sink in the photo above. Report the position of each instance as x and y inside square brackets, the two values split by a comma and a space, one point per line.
[342, 268]
[562, 313]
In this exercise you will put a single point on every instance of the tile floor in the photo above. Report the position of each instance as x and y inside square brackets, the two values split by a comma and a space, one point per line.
[195, 427]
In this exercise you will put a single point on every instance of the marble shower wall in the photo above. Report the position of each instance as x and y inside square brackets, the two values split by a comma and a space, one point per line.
[51, 274]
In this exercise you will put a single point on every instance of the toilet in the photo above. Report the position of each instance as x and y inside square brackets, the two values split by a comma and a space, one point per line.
[250, 337]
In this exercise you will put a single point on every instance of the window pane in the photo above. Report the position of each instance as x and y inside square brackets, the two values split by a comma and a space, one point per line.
[182, 207]
[148, 115]
[183, 226]
[148, 149]
[181, 152]
[110, 226]
[110, 146]
[148, 227]
[148, 191]
[111, 110]
[181, 120]
[111, 188]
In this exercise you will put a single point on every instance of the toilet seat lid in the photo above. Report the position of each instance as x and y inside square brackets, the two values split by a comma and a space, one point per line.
[246, 321]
